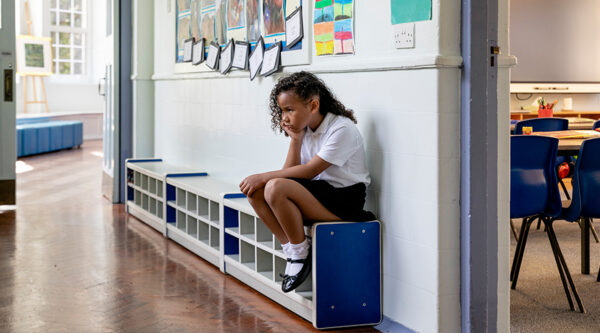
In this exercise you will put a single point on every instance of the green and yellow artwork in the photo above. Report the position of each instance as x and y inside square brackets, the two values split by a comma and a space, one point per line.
[34, 55]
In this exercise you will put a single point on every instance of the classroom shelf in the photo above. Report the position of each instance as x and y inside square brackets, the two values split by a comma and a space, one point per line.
[253, 255]
[193, 214]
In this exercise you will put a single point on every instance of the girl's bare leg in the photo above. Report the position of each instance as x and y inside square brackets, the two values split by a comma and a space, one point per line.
[290, 203]
[257, 200]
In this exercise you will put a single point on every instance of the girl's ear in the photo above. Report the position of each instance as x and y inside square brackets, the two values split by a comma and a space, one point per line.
[315, 104]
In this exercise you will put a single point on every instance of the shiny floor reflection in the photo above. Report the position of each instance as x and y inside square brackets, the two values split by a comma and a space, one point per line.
[72, 262]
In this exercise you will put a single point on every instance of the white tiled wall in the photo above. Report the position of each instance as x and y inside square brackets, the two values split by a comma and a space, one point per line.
[222, 126]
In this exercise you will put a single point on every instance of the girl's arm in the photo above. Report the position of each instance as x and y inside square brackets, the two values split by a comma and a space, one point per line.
[308, 171]
[293, 155]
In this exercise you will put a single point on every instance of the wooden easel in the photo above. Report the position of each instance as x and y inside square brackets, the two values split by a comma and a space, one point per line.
[32, 76]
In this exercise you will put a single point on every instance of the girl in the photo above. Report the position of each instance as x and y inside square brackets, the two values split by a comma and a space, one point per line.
[324, 177]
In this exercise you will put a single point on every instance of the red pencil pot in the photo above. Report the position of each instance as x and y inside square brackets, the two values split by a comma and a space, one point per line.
[544, 113]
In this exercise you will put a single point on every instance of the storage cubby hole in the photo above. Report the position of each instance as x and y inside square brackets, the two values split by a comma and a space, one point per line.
[171, 214]
[145, 202]
[305, 289]
[263, 234]
[203, 207]
[277, 244]
[192, 227]
[130, 176]
[137, 179]
[138, 198]
[180, 222]
[159, 188]
[214, 238]
[230, 219]
[144, 182]
[192, 201]
[247, 257]
[180, 198]
[264, 263]
[214, 212]
[152, 206]
[203, 232]
[231, 247]
[247, 225]
[279, 268]
[130, 192]
[171, 190]
[152, 185]
[159, 210]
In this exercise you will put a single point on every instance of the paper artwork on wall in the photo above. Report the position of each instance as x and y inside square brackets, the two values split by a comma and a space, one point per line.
[220, 22]
[252, 22]
[33, 55]
[256, 58]
[183, 26]
[212, 60]
[333, 27]
[271, 59]
[207, 20]
[235, 14]
[226, 58]
[293, 28]
[240, 55]
[273, 18]
[404, 11]
[187, 49]
[198, 52]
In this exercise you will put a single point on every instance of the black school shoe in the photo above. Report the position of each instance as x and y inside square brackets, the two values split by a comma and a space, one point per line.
[291, 282]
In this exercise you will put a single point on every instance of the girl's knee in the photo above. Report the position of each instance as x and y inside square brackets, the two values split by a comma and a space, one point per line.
[257, 198]
[275, 189]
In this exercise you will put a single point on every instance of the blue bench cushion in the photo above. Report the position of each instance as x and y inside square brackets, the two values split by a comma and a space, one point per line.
[45, 136]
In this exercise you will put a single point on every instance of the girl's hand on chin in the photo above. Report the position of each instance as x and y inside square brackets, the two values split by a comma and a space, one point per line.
[295, 135]
[252, 183]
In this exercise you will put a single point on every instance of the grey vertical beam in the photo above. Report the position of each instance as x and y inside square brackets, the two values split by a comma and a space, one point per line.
[479, 174]
[125, 93]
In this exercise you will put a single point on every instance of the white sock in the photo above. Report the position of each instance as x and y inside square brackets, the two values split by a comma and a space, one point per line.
[286, 250]
[297, 251]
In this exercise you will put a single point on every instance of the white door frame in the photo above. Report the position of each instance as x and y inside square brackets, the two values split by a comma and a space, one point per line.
[8, 151]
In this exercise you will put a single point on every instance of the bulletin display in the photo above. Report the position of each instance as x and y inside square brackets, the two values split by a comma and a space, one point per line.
[226, 22]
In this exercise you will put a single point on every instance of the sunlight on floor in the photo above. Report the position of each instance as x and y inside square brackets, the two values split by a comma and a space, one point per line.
[97, 153]
[22, 167]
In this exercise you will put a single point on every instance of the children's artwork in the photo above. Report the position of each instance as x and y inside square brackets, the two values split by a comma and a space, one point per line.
[183, 27]
[235, 14]
[333, 27]
[33, 55]
[187, 49]
[221, 21]
[195, 17]
[404, 11]
[256, 58]
[207, 26]
[212, 60]
[252, 23]
[226, 58]
[271, 59]
[273, 18]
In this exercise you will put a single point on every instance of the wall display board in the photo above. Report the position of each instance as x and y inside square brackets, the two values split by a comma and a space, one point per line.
[220, 21]
[333, 27]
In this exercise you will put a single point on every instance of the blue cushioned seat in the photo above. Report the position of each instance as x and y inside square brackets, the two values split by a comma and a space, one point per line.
[45, 135]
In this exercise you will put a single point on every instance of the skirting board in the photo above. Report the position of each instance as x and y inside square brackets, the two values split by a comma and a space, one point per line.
[7, 192]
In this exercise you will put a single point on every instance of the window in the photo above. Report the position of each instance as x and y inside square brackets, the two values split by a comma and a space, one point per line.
[68, 32]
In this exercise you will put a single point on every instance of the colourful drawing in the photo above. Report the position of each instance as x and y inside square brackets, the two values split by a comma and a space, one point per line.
[34, 55]
[235, 14]
[323, 11]
[273, 17]
[207, 28]
[324, 38]
[195, 20]
[183, 5]
[220, 23]
[342, 9]
[253, 25]
[207, 3]
[343, 42]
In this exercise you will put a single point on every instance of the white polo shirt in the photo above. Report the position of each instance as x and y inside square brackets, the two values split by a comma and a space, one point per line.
[337, 141]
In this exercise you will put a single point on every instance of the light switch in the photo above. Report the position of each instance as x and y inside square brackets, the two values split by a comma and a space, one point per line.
[404, 35]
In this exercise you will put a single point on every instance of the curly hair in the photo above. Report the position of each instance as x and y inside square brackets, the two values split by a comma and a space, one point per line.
[306, 85]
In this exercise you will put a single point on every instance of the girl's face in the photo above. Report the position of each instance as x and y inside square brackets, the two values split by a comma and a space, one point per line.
[296, 114]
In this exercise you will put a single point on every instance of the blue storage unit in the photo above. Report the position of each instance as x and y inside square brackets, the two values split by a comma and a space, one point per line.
[40, 135]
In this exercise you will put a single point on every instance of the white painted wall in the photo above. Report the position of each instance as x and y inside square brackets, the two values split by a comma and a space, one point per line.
[407, 105]
[67, 94]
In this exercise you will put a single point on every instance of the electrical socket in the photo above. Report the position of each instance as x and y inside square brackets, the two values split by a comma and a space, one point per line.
[404, 35]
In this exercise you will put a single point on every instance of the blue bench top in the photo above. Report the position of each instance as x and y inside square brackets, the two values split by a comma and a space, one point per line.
[54, 123]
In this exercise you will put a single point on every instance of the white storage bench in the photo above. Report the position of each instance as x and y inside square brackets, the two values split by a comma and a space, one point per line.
[213, 220]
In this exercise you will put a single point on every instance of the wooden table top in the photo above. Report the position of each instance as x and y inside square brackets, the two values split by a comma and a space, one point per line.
[570, 141]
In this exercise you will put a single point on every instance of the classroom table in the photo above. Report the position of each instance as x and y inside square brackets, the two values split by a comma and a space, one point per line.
[574, 123]
[569, 143]
[524, 114]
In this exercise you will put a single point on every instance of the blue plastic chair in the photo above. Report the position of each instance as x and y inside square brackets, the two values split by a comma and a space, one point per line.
[596, 124]
[534, 194]
[586, 188]
[547, 125]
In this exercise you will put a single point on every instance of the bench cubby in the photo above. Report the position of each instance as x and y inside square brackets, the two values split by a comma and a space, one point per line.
[145, 188]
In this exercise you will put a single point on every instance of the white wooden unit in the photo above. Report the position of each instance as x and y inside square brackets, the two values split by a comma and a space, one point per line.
[254, 256]
[146, 189]
[194, 215]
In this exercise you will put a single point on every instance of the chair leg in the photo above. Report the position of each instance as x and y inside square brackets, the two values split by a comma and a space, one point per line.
[514, 230]
[552, 234]
[539, 223]
[523, 240]
[560, 181]
[518, 249]
[598, 277]
[585, 245]
[560, 271]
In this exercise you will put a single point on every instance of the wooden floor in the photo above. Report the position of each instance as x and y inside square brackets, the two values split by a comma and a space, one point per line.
[72, 262]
